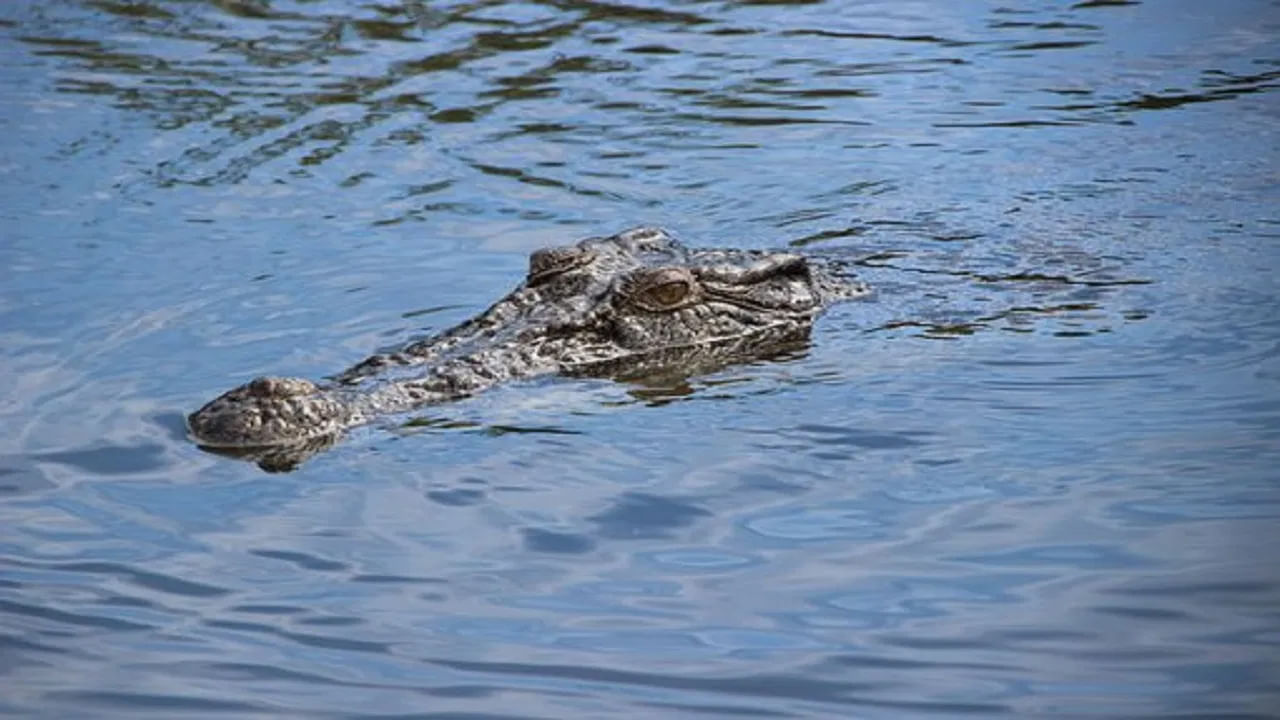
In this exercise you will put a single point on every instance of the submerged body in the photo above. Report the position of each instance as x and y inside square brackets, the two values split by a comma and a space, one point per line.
[624, 305]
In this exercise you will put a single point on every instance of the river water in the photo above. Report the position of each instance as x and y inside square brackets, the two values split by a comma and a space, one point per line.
[1034, 475]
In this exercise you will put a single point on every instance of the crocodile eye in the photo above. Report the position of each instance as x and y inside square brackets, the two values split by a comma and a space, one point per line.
[549, 262]
[662, 289]
[667, 294]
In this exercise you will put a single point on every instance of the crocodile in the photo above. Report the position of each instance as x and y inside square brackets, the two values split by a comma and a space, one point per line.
[622, 306]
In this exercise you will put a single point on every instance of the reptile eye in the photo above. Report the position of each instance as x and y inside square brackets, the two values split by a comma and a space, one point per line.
[549, 262]
[667, 294]
[661, 289]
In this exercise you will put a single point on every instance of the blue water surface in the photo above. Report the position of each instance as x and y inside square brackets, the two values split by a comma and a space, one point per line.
[1034, 475]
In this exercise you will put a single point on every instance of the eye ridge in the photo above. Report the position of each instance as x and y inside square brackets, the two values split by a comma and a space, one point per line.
[547, 263]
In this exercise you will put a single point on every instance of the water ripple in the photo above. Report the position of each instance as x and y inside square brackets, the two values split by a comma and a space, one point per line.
[1032, 474]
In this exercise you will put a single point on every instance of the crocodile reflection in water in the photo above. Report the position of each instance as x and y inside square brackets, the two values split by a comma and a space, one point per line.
[627, 305]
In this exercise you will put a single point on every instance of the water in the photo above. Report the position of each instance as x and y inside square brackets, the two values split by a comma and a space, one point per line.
[1033, 476]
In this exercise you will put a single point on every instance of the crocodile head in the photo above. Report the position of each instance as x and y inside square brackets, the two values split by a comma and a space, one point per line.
[625, 305]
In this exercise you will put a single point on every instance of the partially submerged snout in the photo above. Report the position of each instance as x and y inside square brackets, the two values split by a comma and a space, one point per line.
[268, 411]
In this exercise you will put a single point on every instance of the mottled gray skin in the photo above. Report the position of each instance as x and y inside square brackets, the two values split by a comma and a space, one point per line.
[626, 305]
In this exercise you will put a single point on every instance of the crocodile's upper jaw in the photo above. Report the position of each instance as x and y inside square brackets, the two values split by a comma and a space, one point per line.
[620, 305]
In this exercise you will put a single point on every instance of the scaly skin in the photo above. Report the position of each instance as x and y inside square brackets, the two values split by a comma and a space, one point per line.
[625, 305]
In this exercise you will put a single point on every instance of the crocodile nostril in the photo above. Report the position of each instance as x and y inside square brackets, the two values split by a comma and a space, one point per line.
[280, 387]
